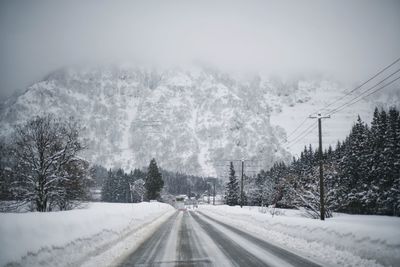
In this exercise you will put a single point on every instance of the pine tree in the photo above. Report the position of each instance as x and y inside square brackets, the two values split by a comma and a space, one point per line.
[391, 161]
[354, 167]
[106, 190]
[361, 175]
[255, 189]
[119, 195]
[154, 182]
[232, 189]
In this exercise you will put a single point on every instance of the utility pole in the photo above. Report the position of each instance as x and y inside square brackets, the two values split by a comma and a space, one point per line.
[241, 186]
[214, 193]
[321, 171]
[208, 186]
[242, 176]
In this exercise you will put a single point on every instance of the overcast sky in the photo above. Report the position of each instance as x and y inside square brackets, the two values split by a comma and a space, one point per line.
[349, 39]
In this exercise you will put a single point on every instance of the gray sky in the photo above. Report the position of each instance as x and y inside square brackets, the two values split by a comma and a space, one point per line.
[349, 39]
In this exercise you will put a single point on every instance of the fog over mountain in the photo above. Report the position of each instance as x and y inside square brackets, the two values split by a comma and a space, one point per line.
[191, 120]
[195, 81]
[188, 119]
[349, 40]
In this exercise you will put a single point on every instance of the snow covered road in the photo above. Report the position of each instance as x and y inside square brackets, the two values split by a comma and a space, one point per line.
[195, 239]
[155, 234]
[344, 240]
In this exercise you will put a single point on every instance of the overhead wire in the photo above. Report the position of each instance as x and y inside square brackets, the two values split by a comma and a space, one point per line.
[364, 83]
[297, 128]
[362, 95]
[350, 103]
[335, 110]
[303, 134]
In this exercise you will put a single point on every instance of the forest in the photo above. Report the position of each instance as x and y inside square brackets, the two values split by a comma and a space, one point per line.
[361, 174]
[117, 185]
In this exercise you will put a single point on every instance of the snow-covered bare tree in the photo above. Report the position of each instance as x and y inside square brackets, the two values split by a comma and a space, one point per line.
[5, 177]
[48, 171]
[306, 196]
[138, 190]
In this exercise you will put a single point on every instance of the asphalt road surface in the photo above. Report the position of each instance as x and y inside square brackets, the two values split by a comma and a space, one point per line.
[191, 238]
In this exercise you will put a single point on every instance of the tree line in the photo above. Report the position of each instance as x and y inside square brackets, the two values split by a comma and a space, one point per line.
[119, 186]
[134, 187]
[177, 183]
[361, 174]
[41, 170]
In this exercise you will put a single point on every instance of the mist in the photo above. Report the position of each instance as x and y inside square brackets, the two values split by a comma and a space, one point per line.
[349, 40]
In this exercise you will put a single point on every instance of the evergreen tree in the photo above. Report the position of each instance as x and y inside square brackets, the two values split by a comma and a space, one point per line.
[389, 182]
[106, 190]
[255, 190]
[354, 167]
[138, 174]
[154, 182]
[232, 189]
[99, 175]
[116, 188]
[376, 157]
[362, 174]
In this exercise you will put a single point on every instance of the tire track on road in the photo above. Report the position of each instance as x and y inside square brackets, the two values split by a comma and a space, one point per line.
[286, 255]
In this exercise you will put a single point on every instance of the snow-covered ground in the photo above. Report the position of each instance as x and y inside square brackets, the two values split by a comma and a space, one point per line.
[100, 233]
[344, 240]
[334, 129]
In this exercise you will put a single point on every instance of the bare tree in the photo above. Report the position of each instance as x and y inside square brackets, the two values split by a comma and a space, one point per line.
[138, 190]
[5, 171]
[306, 196]
[48, 171]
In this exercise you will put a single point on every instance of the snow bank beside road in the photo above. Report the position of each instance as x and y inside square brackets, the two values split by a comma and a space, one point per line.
[349, 240]
[72, 237]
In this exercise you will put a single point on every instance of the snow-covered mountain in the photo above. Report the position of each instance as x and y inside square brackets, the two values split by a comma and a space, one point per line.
[189, 119]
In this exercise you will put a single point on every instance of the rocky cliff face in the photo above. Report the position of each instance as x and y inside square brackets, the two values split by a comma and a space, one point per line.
[189, 120]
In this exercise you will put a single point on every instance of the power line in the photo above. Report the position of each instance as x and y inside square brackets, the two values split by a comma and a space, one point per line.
[298, 127]
[303, 134]
[361, 85]
[300, 137]
[363, 93]
[362, 97]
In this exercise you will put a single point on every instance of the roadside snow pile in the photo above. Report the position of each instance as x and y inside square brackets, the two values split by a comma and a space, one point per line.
[73, 237]
[345, 240]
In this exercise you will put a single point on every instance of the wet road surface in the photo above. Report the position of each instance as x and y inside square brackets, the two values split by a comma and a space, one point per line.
[190, 238]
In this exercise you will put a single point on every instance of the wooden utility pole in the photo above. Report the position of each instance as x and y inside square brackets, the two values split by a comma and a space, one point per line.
[208, 186]
[321, 171]
[242, 177]
[214, 193]
[241, 186]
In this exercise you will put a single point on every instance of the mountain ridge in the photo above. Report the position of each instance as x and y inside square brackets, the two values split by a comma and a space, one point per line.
[188, 119]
